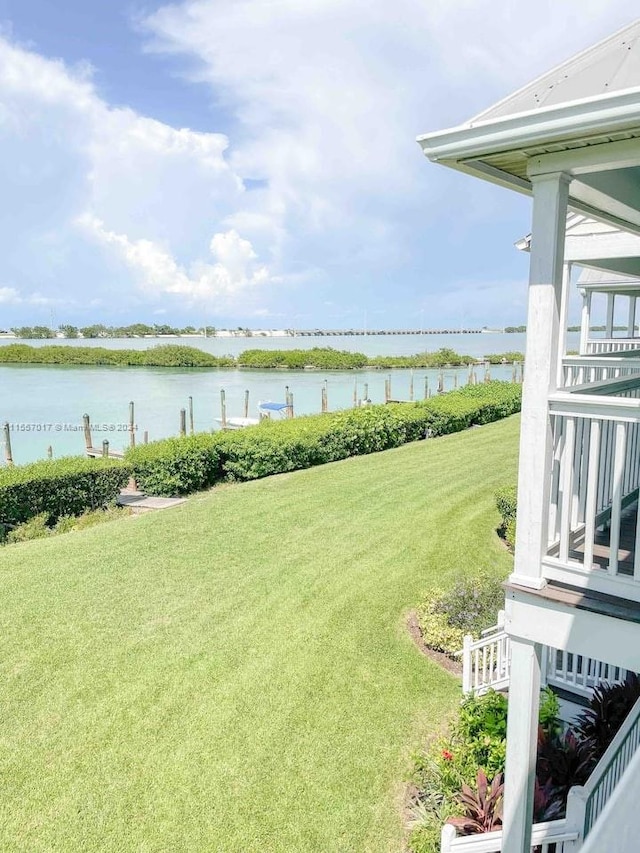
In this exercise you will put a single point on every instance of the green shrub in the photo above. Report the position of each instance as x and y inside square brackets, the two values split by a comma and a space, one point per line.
[507, 503]
[176, 466]
[476, 740]
[91, 518]
[168, 355]
[184, 465]
[468, 607]
[57, 487]
[178, 355]
[35, 528]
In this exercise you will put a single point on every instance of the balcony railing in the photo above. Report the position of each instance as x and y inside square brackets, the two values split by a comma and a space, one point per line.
[486, 665]
[593, 517]
[605, 345]
[551, 837]
[582, 370]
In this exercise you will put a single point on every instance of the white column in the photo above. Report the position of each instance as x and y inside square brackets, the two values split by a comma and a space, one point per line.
[631, 322]
[611, 306]
[564, 320]
[585, 321]
[522, 739]
[550, 195]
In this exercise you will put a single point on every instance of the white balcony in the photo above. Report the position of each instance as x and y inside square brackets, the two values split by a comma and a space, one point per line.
[595, 478]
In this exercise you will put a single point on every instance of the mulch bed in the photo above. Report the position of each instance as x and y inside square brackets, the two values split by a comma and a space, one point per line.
[452, 666]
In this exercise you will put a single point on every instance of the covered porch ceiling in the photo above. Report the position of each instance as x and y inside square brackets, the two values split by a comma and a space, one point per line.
[598, 245]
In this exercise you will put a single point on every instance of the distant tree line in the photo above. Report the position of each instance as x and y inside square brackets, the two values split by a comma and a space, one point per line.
[98, 330]
[171, 355]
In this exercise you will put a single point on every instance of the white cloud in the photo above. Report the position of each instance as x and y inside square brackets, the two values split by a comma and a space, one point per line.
[329, 95]
[234, 272]
[9, 296]
[317, 192]
[162, 190]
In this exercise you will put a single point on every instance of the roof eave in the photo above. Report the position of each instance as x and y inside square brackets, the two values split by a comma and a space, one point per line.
[459, 147]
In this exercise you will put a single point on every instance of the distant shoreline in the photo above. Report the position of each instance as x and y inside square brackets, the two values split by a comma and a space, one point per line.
[176, 356]
[261, 333]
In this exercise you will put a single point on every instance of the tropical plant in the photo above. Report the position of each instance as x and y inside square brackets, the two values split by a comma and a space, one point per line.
[482, 806]
[598, 724]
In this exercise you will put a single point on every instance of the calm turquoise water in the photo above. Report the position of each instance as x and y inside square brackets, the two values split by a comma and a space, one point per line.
[44, 405]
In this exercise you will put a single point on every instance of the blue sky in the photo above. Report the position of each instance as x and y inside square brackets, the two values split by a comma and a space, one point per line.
[253, 162]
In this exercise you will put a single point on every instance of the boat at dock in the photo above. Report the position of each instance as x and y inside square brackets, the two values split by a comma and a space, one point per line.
[266, 411]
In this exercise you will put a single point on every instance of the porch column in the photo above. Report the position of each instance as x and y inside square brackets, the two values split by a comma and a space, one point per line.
[522, 739]
[564, 322]
[611, 306]
[631, 322]
[550, 195]
[585, 321]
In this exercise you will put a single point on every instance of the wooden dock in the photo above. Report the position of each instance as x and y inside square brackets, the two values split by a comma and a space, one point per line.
[95, 452]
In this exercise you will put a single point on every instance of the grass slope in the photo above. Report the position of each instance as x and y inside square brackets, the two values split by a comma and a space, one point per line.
[234, 674]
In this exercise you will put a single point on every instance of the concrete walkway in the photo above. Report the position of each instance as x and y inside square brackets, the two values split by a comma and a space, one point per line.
[139, 502]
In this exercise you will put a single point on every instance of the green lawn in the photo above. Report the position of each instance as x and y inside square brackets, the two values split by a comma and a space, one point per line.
[234, 674]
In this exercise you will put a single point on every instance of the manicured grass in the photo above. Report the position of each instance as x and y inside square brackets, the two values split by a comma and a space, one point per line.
[235, 674]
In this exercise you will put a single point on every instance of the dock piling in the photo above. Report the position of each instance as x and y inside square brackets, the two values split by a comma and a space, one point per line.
[290, 404]
[132, 425]
[8, 455]
[411, 386]
[183, 422]
[191, 429]
[145, 437]
[86, 423]
[49, 452]
[223, 409]
[246, 403]
[105, 448]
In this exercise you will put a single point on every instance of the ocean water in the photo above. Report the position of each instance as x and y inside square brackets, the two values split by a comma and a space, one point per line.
[44, 405]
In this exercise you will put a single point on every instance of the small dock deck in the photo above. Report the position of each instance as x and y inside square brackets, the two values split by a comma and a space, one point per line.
[95, 452]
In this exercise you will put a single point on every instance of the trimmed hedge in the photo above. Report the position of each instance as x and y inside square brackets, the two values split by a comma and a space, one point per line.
[56, 487]
[183, 465]
[507, 504]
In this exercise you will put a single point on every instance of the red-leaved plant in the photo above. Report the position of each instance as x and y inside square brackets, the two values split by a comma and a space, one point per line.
[482, 807]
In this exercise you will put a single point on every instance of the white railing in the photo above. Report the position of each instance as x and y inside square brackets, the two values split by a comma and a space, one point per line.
[595, 478]
[554, 836]
[577, 673]
[586, 803]
[604, 345]
[486, 666]
[582, 370]
[485, 662]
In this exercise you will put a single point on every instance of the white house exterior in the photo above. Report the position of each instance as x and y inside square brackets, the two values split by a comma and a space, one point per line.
[571, 140]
